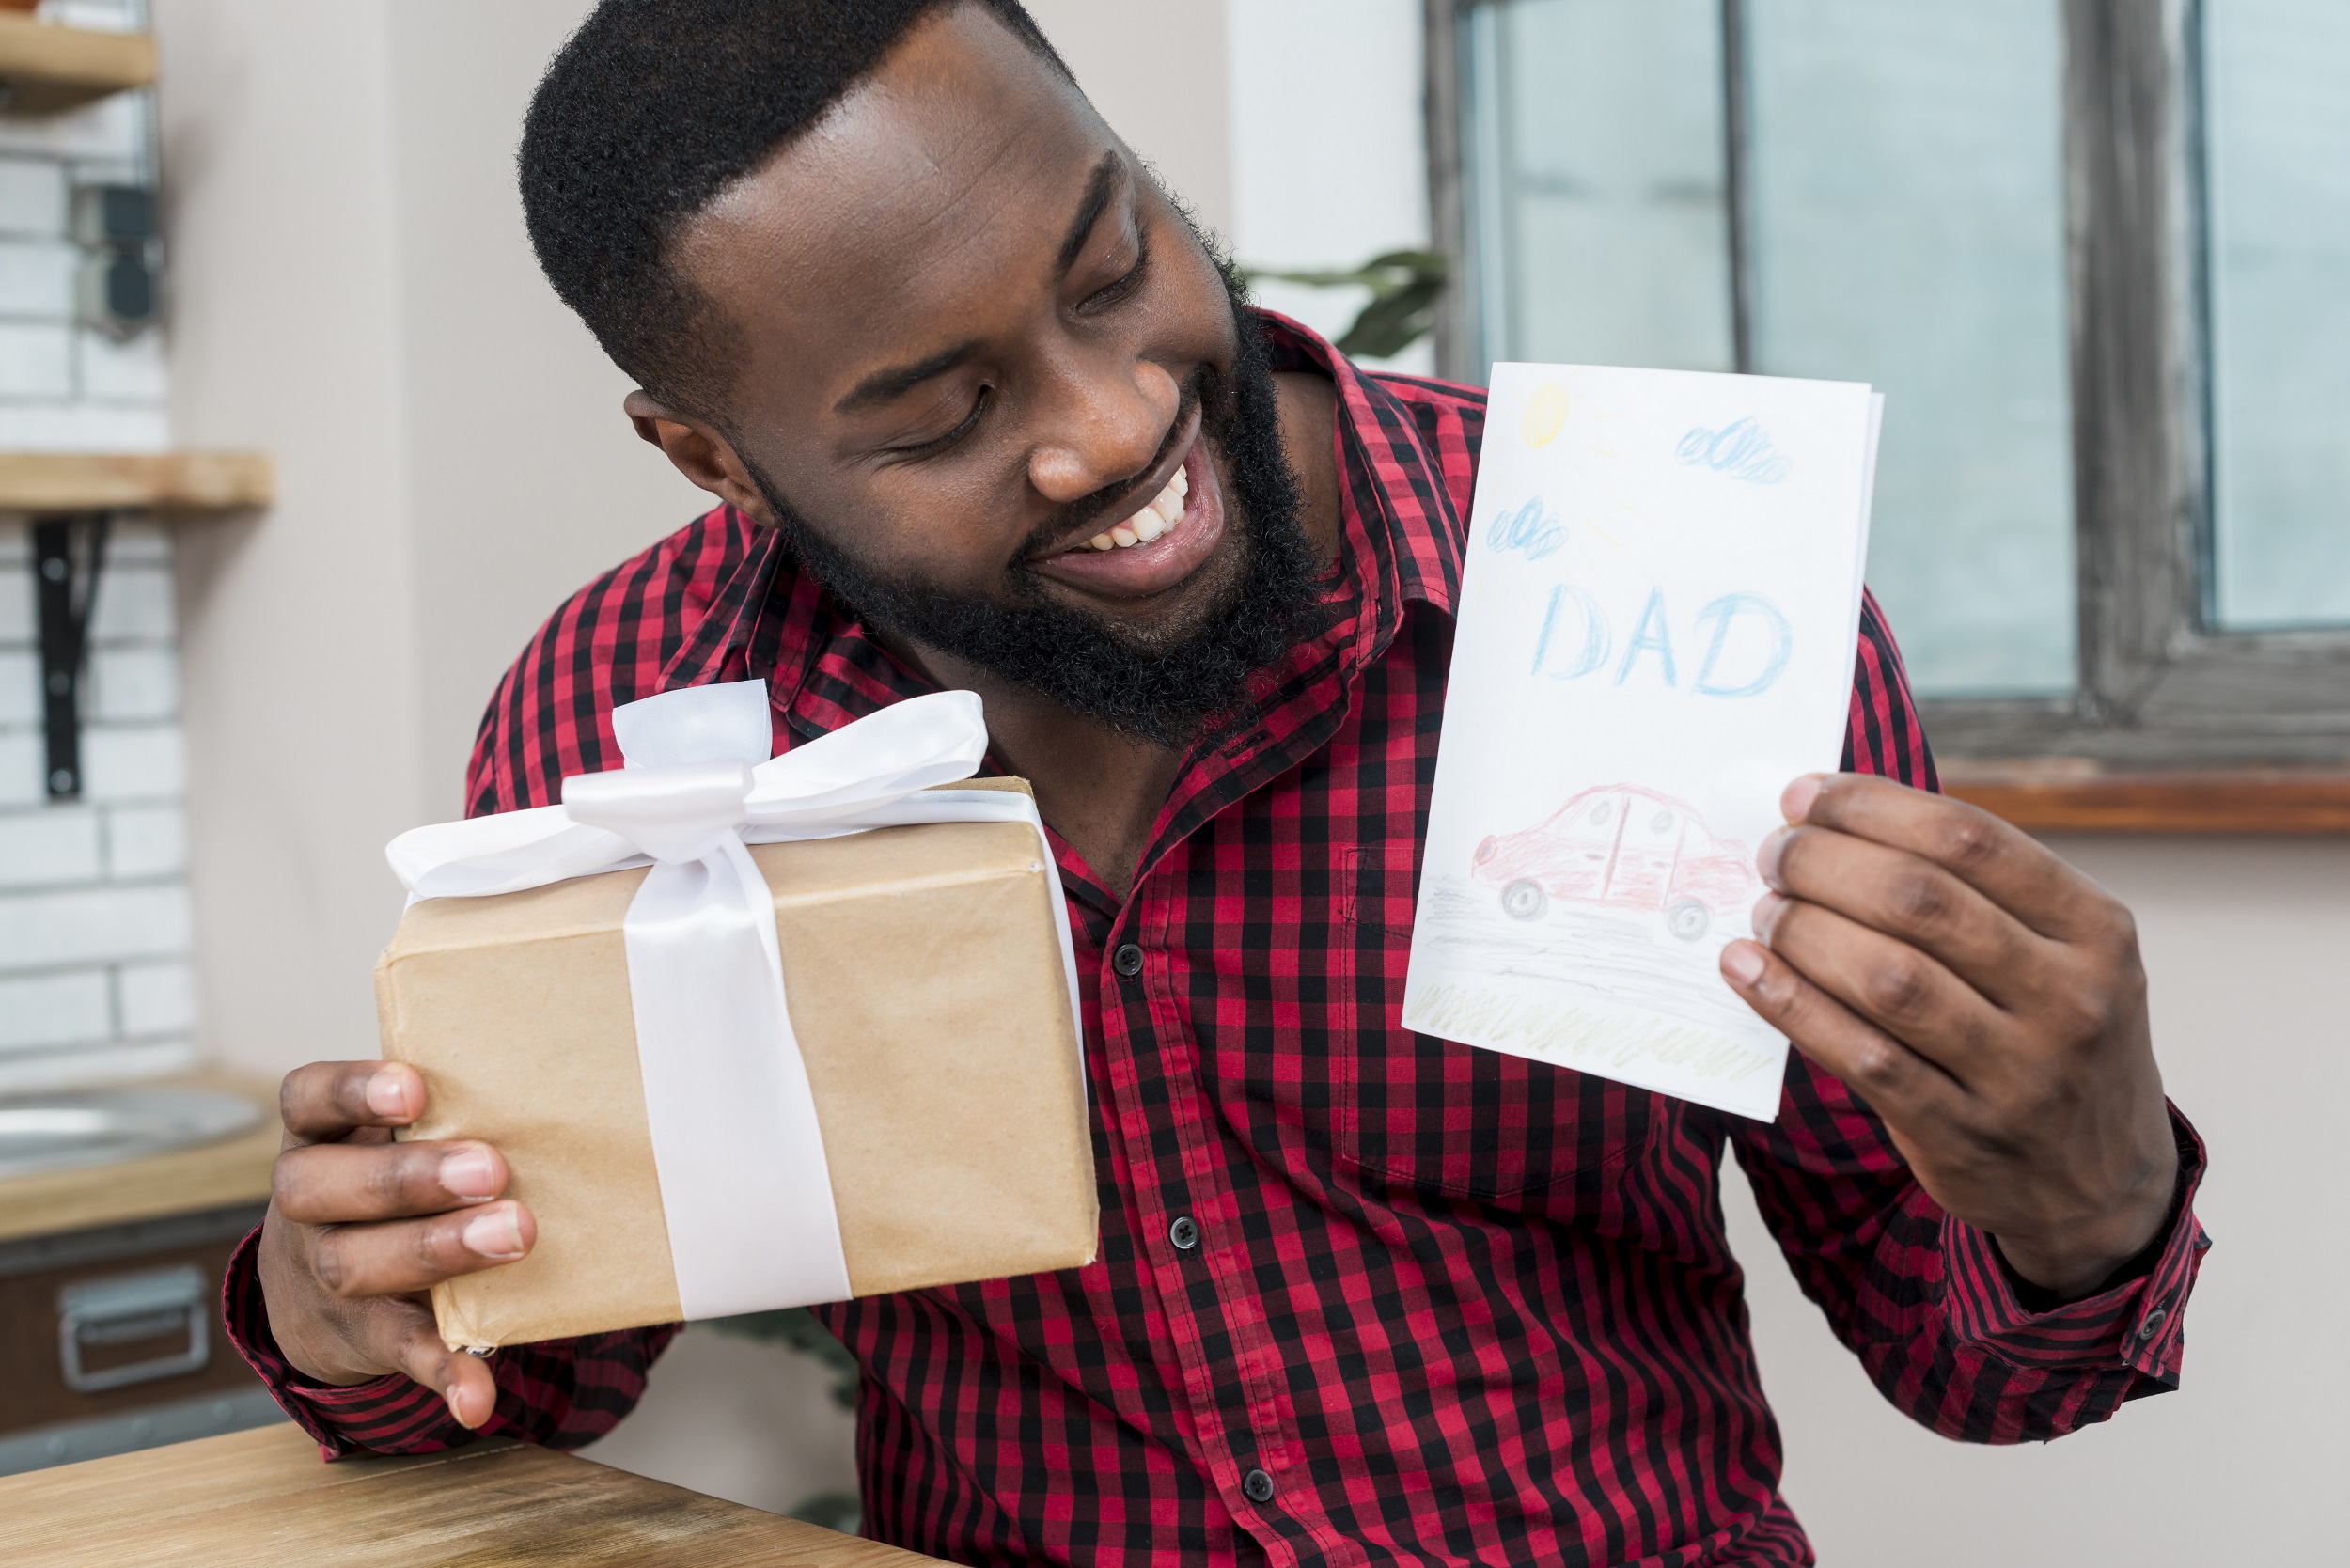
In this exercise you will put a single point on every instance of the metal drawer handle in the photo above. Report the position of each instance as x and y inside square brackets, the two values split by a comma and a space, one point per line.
[127, 1307]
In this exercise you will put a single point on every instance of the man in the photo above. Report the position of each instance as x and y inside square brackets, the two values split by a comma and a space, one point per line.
[981, 412]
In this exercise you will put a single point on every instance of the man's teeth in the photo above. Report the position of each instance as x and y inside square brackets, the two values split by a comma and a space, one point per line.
[1165, 507]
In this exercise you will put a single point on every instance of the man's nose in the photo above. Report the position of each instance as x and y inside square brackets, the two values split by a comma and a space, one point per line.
[1103, 429]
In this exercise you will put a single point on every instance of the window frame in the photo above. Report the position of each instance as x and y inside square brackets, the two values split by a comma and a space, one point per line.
[2159, 687]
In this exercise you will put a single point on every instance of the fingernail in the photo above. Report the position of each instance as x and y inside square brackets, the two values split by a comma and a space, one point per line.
[1766, 915]
[494, 1234]
[457, 1404]
[1742, 961]
[470, 1174]
[1796, 804]
[387, 1094]
[1767, 858]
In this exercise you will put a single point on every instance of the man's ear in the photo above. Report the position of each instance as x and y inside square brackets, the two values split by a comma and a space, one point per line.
[699, 453]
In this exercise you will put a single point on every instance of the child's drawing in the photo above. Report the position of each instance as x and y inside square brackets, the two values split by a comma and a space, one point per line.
[1743, 451]
[1622, 847]
[1646, 655]
[1529, 532]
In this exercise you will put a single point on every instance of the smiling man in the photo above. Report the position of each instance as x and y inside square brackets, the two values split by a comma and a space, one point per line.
[981, 410]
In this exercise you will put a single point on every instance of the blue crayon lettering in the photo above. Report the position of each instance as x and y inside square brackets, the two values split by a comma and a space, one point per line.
[1724, 611]
[1661, 639]
[1596, 635]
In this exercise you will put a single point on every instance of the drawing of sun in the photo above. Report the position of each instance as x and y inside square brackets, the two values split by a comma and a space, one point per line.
[1546, 414]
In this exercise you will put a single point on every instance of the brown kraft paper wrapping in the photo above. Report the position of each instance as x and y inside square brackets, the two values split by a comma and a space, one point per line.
[923, 972]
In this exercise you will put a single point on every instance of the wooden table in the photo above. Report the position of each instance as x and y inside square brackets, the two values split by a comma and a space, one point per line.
[262, 1496]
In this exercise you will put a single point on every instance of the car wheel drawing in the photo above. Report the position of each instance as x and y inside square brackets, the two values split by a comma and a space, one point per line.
[1689, 920]
[1525, 901]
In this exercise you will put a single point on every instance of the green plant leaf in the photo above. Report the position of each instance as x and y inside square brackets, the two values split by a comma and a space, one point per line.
[1404, 287]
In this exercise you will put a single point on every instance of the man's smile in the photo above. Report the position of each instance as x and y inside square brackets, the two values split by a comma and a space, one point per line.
[1156, 547]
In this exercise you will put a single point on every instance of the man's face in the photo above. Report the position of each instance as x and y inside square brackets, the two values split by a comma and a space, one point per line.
[992, 385]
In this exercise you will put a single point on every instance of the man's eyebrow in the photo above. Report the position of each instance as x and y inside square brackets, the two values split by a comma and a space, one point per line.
[884, 385]
[1108, 177]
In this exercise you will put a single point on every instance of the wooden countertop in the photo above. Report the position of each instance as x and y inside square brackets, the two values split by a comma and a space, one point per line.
[190, 1181]
[262, 1496]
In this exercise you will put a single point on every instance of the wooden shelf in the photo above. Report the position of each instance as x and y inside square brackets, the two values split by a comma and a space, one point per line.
[2073, 797]
[193, 481]
[45, 68]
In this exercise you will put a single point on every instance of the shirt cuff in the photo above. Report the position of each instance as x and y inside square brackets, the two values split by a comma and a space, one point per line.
[2134, 1323]
[392, 1414]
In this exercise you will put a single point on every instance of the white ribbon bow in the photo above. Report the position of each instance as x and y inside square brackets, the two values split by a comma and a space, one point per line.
[744, 1186]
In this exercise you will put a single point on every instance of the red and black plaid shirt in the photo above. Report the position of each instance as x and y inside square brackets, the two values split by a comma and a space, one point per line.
[1441, 1305]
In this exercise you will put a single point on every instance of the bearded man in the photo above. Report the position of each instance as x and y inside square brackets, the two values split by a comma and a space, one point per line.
[981, 410]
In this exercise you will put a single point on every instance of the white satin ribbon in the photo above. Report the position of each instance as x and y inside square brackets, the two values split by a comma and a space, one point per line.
[745, 1188]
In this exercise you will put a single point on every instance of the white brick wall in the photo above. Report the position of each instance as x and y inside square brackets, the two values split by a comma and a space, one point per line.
[94, 922]
[94, 913]
[61, 386]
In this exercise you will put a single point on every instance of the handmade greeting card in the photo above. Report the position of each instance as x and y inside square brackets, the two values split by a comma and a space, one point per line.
[1657, 636]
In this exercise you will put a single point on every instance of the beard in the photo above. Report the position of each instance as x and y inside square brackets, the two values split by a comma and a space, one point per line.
[1168, 690]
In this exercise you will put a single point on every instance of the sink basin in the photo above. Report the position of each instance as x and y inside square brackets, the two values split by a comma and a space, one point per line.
[98, 1126]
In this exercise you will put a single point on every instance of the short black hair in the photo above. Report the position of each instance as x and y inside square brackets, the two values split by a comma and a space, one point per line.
[652, 109]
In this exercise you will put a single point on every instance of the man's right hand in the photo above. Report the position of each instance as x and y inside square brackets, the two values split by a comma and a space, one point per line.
[360, 1227]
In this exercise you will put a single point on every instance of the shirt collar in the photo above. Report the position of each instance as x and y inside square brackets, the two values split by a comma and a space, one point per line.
[1400, 536]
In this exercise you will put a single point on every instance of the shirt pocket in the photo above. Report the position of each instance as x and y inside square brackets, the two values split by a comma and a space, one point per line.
[1443, 1117]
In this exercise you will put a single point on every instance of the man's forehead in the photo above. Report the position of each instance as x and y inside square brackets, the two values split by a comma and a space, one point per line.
[959, 159]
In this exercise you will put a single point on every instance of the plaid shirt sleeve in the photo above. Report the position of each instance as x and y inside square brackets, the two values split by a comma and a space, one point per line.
[1947, 1333]
[562, 1393]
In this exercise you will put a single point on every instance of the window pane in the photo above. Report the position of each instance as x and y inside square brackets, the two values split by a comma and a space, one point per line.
[2277, 118]
[1595, 152]
[1906, 187]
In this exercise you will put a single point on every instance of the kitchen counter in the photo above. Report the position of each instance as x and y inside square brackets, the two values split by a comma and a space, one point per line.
[262, 1496]
[110, 1330]
[210, 1176]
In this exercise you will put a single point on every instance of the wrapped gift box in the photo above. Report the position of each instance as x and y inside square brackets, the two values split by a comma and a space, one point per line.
[924, 977]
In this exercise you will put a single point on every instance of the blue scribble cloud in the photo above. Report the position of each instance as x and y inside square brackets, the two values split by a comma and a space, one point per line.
[1530, 529]
[1741, 450]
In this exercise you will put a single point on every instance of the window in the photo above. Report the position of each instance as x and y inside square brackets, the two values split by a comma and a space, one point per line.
[2277, 161]
[2096, 252]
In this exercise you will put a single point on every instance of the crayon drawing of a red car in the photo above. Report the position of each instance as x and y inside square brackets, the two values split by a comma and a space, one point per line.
[1622, 847]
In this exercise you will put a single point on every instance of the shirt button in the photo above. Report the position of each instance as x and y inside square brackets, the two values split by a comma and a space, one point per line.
[1258, 1486]
[2151, 1325]
[1127, 960]
[1183, 1233]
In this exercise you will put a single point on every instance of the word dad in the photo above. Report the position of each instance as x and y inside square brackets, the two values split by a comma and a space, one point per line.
[1747, 643]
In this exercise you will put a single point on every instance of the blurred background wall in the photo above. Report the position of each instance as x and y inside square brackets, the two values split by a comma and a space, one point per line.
[353, 292]
[95, 929]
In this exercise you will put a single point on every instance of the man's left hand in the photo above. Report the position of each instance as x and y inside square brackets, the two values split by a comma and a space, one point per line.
[1986, 1000]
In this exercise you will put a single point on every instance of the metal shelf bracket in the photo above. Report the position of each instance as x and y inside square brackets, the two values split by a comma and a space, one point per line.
[68, 554]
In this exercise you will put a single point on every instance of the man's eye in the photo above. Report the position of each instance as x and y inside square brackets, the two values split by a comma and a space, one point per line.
[940, 443]
[1112, 293]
